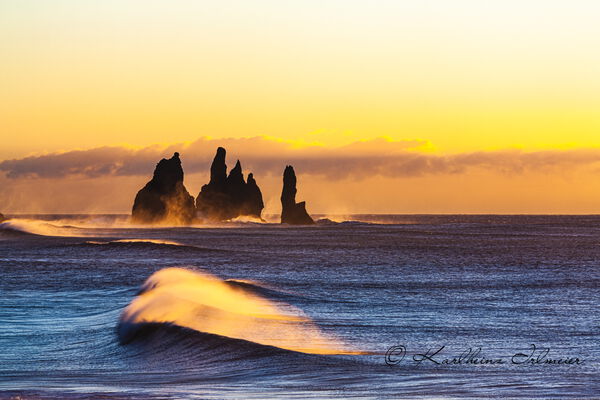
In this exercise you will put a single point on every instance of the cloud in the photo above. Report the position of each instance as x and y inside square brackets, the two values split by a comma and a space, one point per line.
[268, 156]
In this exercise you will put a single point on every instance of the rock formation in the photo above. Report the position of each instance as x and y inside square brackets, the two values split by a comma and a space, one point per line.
[164, 199]
[226, 197]
[2, 217]
[292, 213]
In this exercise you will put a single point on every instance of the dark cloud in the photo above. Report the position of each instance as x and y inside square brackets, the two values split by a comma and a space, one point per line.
[269, 156]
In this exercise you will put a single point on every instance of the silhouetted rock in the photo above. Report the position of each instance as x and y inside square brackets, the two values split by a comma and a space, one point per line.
[218, 169]
[292, 213]
[226, 197]
[2, 217]
[164, 199]
[254, 204]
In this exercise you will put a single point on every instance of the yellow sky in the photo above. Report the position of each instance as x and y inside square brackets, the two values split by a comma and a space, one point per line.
[464, 75]
[461, 76]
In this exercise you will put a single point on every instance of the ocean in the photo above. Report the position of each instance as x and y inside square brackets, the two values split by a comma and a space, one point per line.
[361, 306]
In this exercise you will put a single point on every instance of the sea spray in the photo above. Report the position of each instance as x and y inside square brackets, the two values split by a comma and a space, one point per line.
[39, 227]
[205, 303]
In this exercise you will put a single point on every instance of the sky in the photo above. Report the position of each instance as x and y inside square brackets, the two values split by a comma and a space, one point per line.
[464, 106]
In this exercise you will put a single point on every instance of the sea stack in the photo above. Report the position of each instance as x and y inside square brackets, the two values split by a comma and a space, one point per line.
[164, 199]
[226, 197]
[292, 213]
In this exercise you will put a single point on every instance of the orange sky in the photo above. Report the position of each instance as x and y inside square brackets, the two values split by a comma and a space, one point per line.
[458, 77]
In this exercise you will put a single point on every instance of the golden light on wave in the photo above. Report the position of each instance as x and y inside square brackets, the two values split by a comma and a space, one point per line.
[203, 302]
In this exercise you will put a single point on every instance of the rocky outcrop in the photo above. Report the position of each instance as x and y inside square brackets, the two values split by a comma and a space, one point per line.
[164, 199]
[2, 218]
[292, 213]
[226, 197]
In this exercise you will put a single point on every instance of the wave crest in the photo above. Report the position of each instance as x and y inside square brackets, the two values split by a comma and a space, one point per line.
[205, 303]
[147, 244]
[37, 227]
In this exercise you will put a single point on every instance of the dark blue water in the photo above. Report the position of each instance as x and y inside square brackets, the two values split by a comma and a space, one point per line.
[498, 283]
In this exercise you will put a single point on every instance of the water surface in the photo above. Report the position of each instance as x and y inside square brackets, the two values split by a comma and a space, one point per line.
[364, 284]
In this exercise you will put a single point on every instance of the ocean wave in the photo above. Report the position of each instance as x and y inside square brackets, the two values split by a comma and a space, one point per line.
[94, 226]
[146, 243]
[141, 241]
[39, 228]
[182, 355]
[329, 222]
[207, 304]
[262, 289]
[196, 345]
[248, 219]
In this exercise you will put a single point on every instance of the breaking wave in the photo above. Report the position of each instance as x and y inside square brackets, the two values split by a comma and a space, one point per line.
[140, 241]
[40, 228]
[204, 303]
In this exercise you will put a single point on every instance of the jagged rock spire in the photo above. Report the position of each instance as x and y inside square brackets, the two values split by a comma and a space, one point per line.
[236, 177]
[218, 169]
[226, 197]
[164, 199]
[291, 212]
